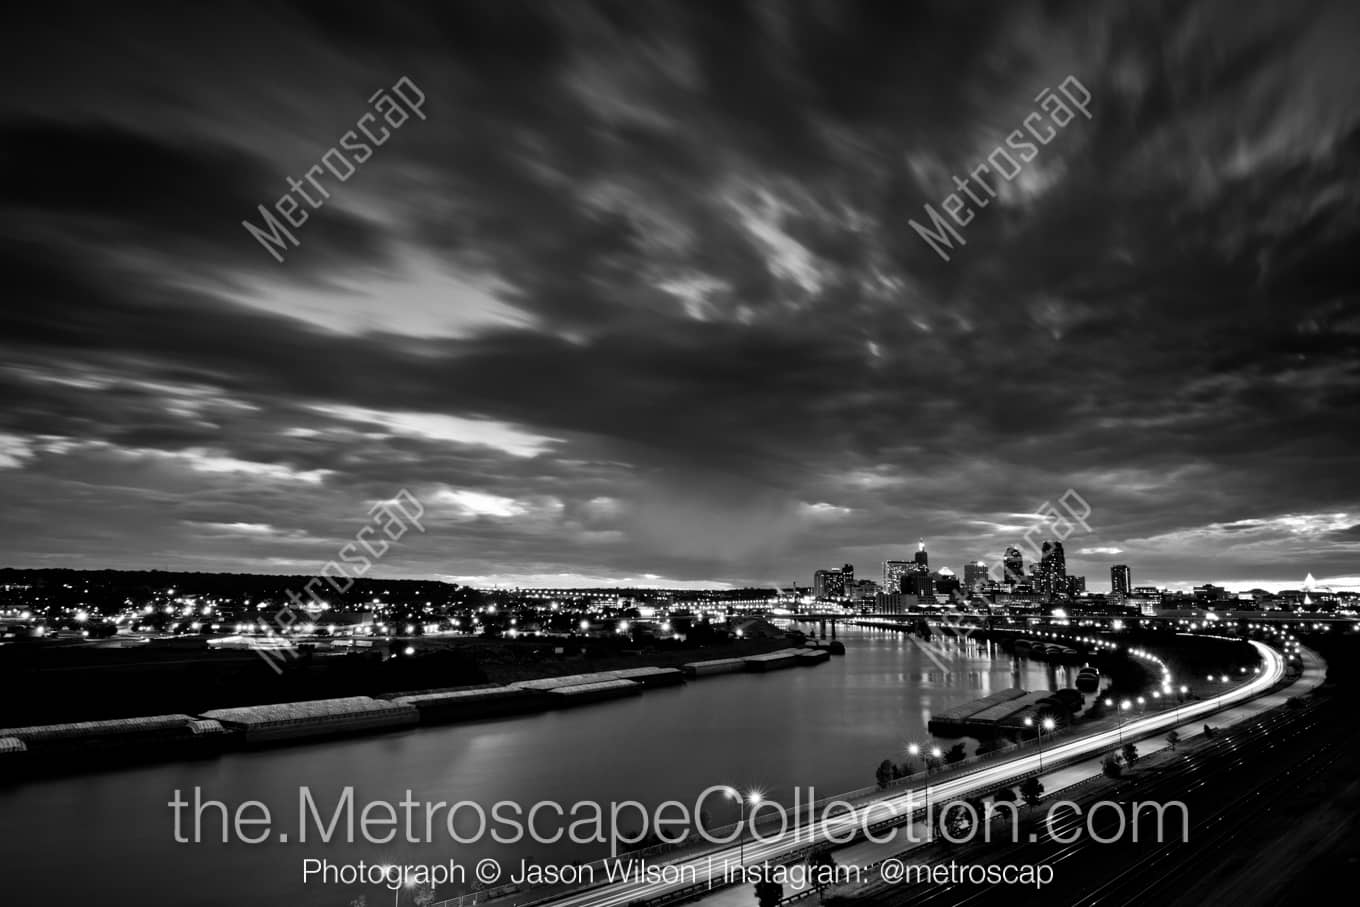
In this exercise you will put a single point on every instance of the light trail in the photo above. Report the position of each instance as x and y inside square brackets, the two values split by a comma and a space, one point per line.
[709, 867]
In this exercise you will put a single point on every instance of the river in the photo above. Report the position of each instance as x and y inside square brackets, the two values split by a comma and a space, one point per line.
[108, 838]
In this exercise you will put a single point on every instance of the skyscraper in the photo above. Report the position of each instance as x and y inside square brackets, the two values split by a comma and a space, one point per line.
[893, 571]
[922, 560]
[1121, 580]
[1014, 565]
[848, 578]
[945, 581]
[974, 575]
[1053, 569]
[828, 584]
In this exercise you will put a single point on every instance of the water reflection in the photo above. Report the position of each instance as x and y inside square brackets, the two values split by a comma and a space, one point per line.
[825, 727]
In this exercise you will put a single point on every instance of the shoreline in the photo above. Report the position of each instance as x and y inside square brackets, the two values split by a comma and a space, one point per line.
[51, 749]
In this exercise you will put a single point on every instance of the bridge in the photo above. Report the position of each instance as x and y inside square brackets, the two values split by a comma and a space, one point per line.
[821, 618]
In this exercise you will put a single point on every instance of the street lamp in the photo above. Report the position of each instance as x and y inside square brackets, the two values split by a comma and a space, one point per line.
[914, 750]
[1142, 705]
[1046, 725]
[930, 826]
[1179, 699]
[396, 893]
[1123, 706]
[754, 798]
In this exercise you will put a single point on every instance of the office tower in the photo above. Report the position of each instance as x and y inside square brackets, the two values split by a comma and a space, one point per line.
[828, 584]
[946, 581]
[974, 575]
[1014, 565]
[1053, 569]
[1121, 580]
[893, 571]
[848, 578]
[919, 584]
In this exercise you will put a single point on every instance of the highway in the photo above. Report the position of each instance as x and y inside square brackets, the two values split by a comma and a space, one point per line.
[708, 868]
[1228, 787]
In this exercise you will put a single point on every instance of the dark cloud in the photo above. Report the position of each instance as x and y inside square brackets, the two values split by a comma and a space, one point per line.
[642, 297]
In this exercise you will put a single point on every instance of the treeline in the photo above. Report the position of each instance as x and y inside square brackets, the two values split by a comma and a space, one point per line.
[56, 685]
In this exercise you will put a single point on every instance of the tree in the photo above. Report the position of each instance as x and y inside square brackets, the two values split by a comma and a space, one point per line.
[957, 753]
[1005, 795]
[953, 822]
[1032, 789]
[960, 818]
[1130, 753]
[1111, 766]
[989, 746]
[1173, 738]
[769, 893]
[701, 633]
[819, 859]
[1210, 732]
[884, 775]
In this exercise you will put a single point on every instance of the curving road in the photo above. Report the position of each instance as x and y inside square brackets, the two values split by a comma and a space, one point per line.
[709, 868]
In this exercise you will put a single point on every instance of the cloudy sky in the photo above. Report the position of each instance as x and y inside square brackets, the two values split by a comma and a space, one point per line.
[639, 300]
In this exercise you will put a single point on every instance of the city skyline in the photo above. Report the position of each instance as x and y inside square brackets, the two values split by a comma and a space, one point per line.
[679, 329]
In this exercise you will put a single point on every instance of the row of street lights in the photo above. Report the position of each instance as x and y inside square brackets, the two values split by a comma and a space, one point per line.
[914, 751]
[753, 798]
[1125, 705]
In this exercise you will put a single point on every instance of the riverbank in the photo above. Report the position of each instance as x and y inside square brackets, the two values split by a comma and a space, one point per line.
[772, 731]
[538, 687]
[127, 677]
[500, 664]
